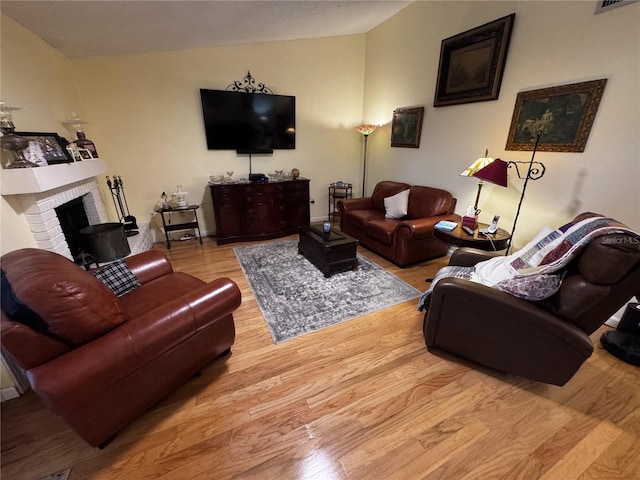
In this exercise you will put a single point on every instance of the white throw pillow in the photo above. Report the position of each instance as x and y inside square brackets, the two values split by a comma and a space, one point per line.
[397, 205]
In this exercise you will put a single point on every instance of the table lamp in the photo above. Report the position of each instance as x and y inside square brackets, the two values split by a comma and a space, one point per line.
[471, 170]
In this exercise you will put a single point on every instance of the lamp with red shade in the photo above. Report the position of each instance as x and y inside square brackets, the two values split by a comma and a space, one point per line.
[496, 172]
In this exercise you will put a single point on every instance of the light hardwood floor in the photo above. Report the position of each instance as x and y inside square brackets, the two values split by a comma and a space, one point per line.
[360, 400]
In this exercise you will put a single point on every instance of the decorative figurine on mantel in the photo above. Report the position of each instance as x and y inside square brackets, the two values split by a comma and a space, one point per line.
[83, 143]
[10, 142]
[295, 173]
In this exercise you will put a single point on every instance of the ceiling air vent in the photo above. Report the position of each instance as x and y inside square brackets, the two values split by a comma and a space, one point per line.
[606, 5]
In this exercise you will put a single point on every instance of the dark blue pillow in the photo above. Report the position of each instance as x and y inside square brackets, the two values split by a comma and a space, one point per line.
[18, 311]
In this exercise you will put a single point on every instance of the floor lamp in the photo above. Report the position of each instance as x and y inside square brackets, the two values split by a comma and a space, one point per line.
[496, 172]
[365, 130]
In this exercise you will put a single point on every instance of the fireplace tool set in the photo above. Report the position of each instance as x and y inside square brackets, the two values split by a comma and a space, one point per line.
[122, 207]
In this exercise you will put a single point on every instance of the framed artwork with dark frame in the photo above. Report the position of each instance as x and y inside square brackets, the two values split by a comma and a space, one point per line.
[564, 114]
[406, 127]
[46, 148]
[472, 63]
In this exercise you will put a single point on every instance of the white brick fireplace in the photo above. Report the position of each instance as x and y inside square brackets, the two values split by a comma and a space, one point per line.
[41, 190]
[42, 218]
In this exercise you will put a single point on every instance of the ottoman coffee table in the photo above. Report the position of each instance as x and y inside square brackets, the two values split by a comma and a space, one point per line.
[330, 252]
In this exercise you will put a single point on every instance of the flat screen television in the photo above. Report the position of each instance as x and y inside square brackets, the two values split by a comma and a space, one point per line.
[248, 122]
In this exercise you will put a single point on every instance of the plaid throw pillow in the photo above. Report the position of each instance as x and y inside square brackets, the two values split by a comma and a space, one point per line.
[117, 277]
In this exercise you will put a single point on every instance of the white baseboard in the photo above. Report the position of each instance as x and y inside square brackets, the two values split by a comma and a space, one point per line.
[616, 317]
[613, 321]
[9, 393]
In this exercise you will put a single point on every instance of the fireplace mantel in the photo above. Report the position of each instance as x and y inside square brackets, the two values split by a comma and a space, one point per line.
[22, 181]
[40, 190]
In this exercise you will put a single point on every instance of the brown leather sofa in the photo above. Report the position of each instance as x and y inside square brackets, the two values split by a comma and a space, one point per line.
[406, 240]
[98, 360]
[546, 341]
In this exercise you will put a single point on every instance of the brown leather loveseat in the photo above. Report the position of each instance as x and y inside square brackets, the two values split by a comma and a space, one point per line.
[99, 360]
[403, 240]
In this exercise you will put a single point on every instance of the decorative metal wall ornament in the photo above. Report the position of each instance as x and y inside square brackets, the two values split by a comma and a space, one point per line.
[248, 85]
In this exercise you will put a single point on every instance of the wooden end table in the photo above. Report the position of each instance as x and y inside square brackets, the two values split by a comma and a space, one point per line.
[330, 252]
[457, 236]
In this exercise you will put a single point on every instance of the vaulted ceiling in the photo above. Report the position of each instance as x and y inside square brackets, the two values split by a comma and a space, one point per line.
[96, 28]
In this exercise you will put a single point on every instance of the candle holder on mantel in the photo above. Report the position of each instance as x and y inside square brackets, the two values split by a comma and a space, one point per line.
[10, 142]
[82, 142]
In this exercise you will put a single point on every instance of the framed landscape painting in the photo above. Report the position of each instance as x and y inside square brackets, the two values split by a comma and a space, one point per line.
[472, 63]
[406, 127]
[564, 114]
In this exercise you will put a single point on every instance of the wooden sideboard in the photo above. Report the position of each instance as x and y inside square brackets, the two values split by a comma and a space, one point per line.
[259, 211]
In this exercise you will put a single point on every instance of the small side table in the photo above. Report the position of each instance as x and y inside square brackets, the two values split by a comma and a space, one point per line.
[457, 236]
[337, 192]
[169, 227]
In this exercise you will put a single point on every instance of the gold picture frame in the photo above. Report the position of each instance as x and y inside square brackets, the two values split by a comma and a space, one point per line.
[406, 127]
[564, 114]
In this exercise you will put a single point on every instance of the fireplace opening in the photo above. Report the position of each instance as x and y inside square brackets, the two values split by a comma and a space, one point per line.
[73, 217]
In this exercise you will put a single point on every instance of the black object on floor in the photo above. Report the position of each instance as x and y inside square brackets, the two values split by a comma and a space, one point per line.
[623, 345]
[630, 321]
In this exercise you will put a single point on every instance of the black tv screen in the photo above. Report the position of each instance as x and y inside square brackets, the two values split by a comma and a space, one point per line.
[248, 121]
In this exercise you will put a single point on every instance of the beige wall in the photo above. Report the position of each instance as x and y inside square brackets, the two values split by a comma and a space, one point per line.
[147, 117]
[5, 377]
[553, 43]
[39, 79]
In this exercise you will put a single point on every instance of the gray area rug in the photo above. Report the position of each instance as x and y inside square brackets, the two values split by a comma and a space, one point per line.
[296, 298]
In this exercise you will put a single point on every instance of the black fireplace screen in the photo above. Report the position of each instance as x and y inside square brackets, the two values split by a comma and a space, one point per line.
[73, 217]
[103, 242]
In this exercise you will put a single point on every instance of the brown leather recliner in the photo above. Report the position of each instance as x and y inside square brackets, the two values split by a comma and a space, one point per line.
[546, 341]
[405, 240]
[99, 361]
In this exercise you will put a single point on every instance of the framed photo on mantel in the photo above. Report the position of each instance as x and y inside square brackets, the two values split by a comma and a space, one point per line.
[46, 148]
[472, 63]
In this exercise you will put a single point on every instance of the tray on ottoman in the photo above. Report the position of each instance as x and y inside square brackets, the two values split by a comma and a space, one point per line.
[330, 252]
